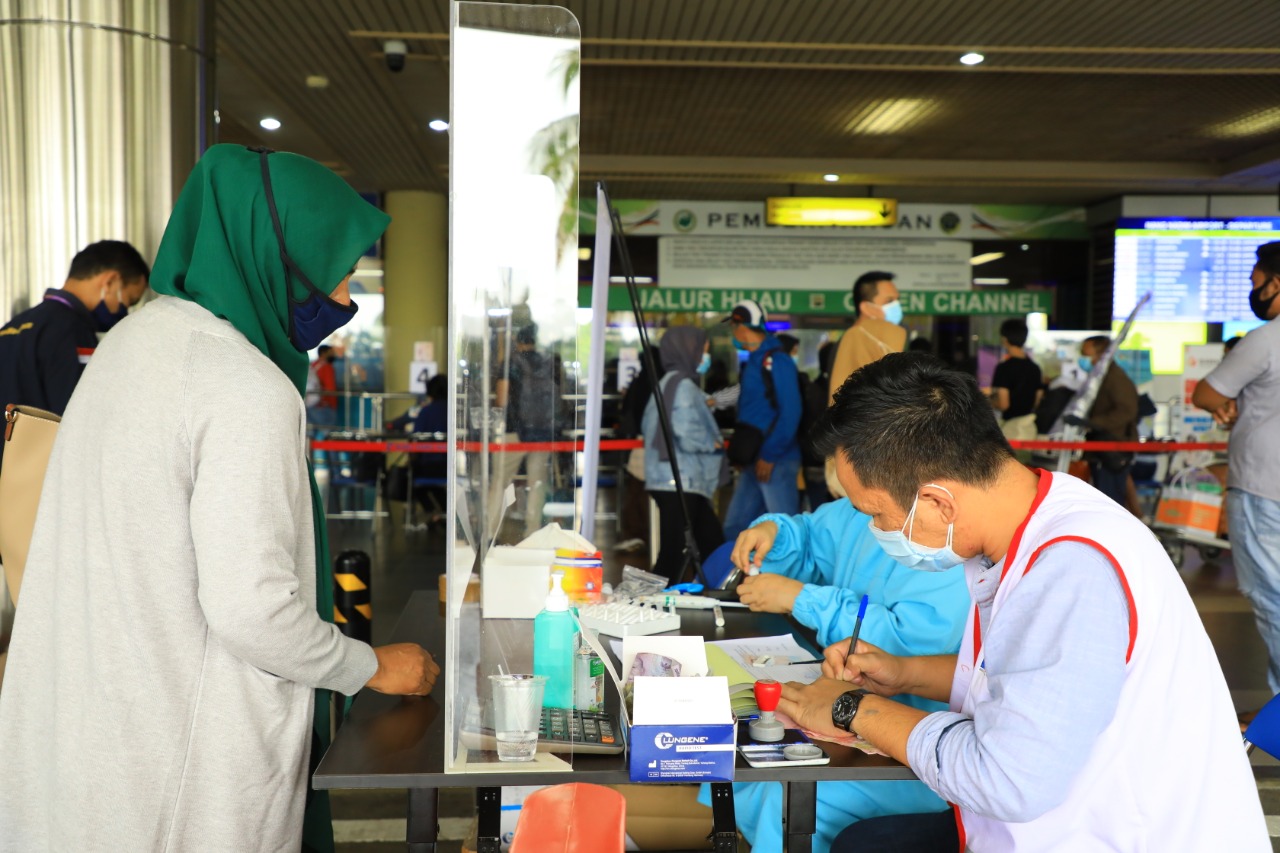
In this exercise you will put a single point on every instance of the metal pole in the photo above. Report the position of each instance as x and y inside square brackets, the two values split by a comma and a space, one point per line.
[595, 368]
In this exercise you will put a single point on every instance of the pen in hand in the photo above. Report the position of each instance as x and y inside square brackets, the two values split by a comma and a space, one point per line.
[857, 627]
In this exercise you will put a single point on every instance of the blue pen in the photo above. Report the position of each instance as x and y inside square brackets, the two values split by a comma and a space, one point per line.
[857, 626]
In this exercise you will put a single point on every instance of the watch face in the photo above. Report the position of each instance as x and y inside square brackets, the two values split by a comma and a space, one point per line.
[842, 710]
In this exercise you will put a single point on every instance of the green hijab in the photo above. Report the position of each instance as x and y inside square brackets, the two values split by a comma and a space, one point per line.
[220, 252]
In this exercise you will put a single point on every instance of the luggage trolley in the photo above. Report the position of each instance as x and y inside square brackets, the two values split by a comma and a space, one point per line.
[1174, 537]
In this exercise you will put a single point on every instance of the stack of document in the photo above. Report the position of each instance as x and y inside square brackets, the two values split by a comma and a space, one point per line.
[743, 662]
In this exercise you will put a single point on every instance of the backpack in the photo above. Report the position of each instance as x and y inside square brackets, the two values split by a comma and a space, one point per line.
[814, 400]
[1052, 405]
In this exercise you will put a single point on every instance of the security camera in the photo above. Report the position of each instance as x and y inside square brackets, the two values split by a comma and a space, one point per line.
[394, 51]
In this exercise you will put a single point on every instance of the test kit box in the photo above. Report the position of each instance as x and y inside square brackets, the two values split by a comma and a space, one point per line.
[682, 729]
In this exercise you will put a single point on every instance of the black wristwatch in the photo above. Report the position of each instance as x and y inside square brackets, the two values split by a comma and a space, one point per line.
[845, 708]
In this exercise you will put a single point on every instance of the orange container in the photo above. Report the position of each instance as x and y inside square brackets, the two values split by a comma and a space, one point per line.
[572, 818]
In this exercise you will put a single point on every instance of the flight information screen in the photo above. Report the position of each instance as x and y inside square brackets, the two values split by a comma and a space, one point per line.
[1195, 269]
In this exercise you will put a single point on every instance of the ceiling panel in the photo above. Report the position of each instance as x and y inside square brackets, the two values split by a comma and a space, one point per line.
[709, 85]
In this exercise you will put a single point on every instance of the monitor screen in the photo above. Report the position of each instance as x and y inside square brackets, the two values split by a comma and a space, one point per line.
[1195, 269]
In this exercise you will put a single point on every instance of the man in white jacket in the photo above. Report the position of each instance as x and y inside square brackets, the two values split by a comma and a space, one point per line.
[1072, 690]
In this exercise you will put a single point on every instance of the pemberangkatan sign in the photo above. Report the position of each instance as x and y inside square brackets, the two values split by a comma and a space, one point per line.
[667, 300]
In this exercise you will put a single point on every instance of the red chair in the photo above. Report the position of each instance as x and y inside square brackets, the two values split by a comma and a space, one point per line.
[572, 818]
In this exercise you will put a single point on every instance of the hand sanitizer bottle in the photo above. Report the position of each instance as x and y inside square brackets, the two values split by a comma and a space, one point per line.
[555, 637]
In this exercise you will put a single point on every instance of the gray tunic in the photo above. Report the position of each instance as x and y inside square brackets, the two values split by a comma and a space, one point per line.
[159, 687]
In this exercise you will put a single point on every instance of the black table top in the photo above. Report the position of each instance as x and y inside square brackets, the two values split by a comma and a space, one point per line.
[398, 742]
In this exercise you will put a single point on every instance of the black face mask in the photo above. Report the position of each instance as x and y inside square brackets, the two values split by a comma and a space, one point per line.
[317, 316]
[105, 320]
[1259, 306]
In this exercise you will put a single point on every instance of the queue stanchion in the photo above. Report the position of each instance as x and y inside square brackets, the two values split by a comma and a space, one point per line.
[352, 601]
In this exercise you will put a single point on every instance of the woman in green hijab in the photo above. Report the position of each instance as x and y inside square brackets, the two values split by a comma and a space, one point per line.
[174, 629]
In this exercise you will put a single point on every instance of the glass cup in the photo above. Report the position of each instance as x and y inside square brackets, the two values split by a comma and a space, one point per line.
[517, 713]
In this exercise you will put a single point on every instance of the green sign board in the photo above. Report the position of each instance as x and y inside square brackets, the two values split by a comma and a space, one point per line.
[666, 300]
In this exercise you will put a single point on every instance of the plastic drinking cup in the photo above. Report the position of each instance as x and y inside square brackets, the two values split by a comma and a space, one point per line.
[517, 713]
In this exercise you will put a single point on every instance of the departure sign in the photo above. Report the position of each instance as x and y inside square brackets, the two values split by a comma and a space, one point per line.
[1196, 269]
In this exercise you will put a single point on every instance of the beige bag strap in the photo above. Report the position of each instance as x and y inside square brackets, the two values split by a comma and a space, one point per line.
[28, 435]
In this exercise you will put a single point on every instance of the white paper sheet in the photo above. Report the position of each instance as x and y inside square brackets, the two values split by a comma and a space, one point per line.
[782, 649]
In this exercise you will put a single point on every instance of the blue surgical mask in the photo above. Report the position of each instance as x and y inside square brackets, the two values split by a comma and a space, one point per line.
[1086, 363]
[705, 364]
[892, 312]
[316, 316]
[898, 545]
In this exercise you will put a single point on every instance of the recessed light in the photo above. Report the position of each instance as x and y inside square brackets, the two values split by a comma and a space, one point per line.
[831, 179]
[972, 59]
[317, 81]
[439, 125]
[269, 123]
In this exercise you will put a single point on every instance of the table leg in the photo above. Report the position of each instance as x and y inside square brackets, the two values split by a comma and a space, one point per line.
[488, 820]
[423, 828]
[802, 805]
[724, 824]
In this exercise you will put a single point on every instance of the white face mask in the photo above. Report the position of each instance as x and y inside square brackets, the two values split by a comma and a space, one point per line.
[898, 545]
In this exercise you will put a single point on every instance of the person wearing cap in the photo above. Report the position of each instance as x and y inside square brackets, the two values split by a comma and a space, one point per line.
[770, 402]
[876, 332]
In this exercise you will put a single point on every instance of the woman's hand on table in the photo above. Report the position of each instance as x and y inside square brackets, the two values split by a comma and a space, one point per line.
[404, 669]
[769, 593]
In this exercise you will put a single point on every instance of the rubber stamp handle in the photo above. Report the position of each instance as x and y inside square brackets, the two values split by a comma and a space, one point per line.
[768, 692]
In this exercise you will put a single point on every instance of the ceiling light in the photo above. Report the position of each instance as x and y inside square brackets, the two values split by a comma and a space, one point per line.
[790, 210]
[985, 258]
[622, 279]
[990, 282]
[584, 253]
[889, 115]
[269, 123]
[1257, 122]
[972, 59]
[831, 179]
[439, 125]
[317, 81]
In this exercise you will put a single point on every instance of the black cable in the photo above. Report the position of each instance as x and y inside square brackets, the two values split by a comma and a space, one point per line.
[691, 555]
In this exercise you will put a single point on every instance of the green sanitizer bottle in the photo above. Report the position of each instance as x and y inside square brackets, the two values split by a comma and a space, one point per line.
[555, 636]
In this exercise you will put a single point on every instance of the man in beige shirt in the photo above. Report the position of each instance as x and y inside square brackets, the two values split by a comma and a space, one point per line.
[874, 334]
[875, 331]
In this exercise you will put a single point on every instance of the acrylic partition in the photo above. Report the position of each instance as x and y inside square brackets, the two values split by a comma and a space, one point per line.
[513, 344]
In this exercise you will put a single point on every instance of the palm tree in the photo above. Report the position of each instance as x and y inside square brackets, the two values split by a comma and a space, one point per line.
[554, 153]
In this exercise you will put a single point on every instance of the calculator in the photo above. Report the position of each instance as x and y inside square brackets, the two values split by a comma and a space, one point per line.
[561, 730]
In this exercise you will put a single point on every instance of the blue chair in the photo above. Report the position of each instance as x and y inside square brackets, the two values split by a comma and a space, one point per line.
[717, 567]
[1264, 731]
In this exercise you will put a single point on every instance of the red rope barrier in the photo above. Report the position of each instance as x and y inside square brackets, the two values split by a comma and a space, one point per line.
[381, 446]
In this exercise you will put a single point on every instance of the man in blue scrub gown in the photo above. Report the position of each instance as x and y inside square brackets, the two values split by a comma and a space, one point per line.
[817, 566]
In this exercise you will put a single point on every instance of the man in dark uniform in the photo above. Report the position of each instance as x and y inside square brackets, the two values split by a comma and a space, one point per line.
[44, 349]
